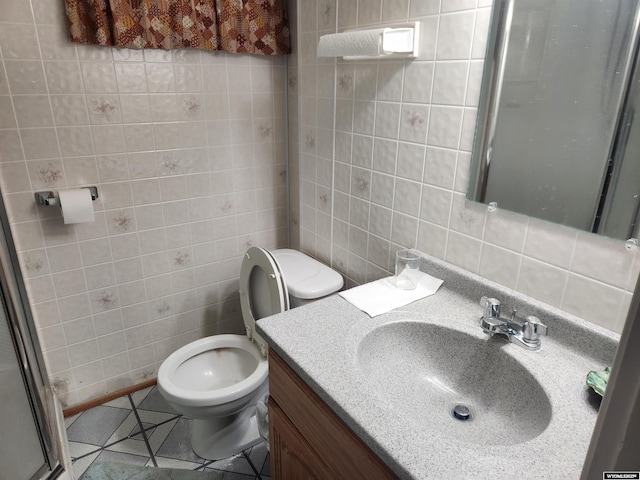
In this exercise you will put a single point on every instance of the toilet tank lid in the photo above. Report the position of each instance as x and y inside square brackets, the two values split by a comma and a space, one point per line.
[305, 277]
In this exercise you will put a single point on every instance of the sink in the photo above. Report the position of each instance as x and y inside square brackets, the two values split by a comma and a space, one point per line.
[459, 386]
[395, 378]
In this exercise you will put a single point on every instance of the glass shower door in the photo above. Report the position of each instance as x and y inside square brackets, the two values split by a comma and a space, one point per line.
[30, 441]
[21, 454]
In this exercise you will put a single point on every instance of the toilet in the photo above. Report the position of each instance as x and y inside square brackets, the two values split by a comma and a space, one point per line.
[218, 380]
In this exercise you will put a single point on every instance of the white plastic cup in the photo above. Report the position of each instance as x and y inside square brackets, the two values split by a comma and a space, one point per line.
[407, 268]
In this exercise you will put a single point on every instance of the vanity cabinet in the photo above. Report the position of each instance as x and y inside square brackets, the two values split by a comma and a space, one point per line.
[307, 439]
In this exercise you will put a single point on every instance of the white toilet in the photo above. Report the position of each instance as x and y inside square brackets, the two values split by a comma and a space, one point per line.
[218, 380]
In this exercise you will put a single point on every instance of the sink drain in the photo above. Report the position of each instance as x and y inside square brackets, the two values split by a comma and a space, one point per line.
[461, 412]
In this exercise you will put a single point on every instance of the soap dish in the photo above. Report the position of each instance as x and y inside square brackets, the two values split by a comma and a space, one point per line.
[598, 380]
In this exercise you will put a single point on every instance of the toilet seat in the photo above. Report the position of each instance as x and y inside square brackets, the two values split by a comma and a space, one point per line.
[263, 291]
[218, 380]
[187, 387]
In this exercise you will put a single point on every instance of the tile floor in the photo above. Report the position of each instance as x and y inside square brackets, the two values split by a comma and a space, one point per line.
[142, 429]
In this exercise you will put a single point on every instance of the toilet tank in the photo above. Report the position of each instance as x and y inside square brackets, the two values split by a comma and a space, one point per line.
[306, 278]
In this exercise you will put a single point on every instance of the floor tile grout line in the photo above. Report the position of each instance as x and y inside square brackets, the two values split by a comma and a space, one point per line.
[141, 400]
[244, 454]
[175, 417]
[100, 448]
[267, 459]
[80, 457]
[155, 425]
[145, 428]
[204, 465]
[128, 437]
[166, 439]
[142, 431]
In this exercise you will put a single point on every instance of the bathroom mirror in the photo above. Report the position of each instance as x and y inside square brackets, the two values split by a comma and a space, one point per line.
[555, 136]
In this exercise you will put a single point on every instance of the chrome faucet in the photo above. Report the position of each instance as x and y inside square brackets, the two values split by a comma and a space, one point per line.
[524, 332]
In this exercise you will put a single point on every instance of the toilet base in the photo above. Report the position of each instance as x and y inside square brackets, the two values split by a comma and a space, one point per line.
[215, 439]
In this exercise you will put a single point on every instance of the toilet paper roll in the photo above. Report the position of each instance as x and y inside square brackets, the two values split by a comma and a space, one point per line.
[76, 205]
[364, 43]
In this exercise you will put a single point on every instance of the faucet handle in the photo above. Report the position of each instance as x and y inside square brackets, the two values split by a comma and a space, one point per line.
[491, 307]
[532, 329]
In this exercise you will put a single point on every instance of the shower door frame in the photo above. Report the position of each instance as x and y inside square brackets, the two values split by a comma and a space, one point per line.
[29, 353]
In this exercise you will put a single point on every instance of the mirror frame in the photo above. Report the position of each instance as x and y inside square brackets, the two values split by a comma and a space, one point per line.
[490, 93]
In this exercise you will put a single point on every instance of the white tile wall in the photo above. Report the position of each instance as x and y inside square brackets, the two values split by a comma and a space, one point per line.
[177, 150]
[402, 140]
[187, 151]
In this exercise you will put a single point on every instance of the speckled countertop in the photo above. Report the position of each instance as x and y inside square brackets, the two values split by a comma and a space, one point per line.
[323, 343]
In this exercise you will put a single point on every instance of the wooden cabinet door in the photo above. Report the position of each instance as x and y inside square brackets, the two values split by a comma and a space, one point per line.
[325, 439]
[292, 458]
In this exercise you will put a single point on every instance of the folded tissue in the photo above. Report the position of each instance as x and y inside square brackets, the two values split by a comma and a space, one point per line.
[382, 296]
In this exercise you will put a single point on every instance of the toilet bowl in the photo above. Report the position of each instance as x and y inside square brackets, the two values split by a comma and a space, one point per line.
[213, 380]
[218, 380]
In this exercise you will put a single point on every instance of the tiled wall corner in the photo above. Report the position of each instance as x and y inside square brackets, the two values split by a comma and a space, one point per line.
[315, 89]
[187, 149]
[402, 147]
[293, 125]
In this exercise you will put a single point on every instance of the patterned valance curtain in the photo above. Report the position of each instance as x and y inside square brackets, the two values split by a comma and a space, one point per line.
[258, 27]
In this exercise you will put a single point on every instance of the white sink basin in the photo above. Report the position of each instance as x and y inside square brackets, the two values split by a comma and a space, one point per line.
[423, 371]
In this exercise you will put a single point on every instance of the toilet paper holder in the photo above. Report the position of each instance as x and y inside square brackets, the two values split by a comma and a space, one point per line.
[48, 198]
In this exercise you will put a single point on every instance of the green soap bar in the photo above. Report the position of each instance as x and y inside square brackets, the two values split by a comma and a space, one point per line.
[598, 380]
